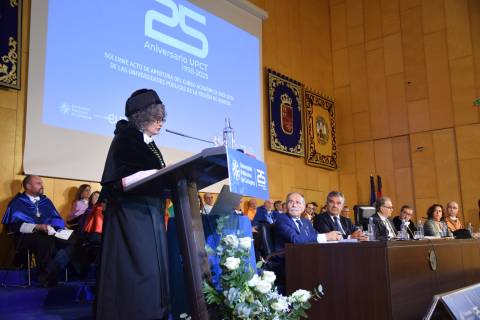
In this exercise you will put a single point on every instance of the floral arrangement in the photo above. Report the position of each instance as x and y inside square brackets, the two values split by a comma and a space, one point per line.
[244, 294]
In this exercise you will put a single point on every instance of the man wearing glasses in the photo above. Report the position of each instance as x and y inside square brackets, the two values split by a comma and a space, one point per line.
[406, 213]
[384, 228]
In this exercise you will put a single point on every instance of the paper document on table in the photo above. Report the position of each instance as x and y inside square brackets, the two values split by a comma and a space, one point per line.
[63, 234]
[131, 179]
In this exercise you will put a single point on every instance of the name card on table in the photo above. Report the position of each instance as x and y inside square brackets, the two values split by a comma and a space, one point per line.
[247, 175]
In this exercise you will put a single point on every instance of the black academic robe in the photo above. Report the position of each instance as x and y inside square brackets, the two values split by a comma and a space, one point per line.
[133, 278]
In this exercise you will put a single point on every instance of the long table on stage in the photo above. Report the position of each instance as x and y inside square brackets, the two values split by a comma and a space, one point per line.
[381, 280]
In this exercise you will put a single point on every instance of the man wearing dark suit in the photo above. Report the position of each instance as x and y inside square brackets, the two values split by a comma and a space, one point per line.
[291, 228]
[384, 228]
[406, 213]
[265, 214]
[332, 220]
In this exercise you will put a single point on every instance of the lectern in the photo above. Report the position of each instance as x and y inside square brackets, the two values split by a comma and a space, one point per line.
[182, 180]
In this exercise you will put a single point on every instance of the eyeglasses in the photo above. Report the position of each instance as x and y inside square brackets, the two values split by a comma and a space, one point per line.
[389, 208]
[158, 121]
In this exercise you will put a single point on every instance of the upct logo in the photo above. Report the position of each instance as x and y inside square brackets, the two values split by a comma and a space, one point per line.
[236, 170]
[176, 18]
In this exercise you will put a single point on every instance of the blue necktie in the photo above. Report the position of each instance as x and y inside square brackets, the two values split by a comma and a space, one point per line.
[337, 225]
[269, 218]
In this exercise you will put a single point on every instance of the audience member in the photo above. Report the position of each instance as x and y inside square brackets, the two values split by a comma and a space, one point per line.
[309, 211]
[33, 220]
[331, 220]
[406, 213]
[452, 220]
[251, 209]
[278, 206]
[314, 208]
[434, 225]
[76, 218]
[265, 214]
[284, 207]
[384, 229]
[93, 198]
[345, 212]
[208, 203]
[238, 209]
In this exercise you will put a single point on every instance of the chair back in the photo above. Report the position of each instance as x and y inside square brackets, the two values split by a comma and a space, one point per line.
[362, 214]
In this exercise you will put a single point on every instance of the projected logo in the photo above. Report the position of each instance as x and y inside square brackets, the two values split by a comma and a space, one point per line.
[177, 18]
[236, 170]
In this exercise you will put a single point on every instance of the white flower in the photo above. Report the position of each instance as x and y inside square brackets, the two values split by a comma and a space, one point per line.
[263, 286]
[280, 305]
[301, 295]
[320, 289]
[231, 240]
[254, 281]
[268, 276]
[232, 263]
[245, 243]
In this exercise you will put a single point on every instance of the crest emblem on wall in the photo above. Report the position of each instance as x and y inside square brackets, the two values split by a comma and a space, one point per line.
[320, 142]
[285, 106]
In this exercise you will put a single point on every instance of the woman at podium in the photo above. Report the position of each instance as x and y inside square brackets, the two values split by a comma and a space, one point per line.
[133, 275]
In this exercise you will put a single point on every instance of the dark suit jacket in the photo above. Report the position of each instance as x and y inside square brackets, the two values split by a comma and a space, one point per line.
[381, 231]
[261, 216]
[324, 224]
[410, 229]
[286, 231]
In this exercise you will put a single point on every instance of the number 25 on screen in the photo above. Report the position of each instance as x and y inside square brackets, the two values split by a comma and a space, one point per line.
[177, 17]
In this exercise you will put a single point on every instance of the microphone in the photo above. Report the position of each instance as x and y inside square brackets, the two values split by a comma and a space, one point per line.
[187, 136]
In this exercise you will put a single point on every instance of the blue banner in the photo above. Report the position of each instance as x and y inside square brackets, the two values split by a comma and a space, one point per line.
[247, 175]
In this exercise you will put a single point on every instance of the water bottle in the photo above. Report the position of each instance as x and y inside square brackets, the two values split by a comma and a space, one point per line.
[403, 231]
[371, 229]
[470, 229]
[420, 228]
[228, 135]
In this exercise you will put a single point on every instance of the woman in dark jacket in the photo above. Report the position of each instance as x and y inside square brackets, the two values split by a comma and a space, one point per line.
[133, 278]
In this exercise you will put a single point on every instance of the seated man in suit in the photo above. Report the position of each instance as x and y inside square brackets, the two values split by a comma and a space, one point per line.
[33, 220]
[333, 221]
[291, 228]
[265, 214]
[384, 228]
[406, 212]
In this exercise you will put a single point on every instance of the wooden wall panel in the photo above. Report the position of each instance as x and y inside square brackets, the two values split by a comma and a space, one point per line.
[377, 94]
[458, 28]
[408, 4]
[7, 148]
[474, 10]
[418, 115]
[346, 157]
[393, 54]
[355, 35]
[463, 91]
[341, 75]
[423, 163]
[414, 54]
[401, 152]
[439, 93]
[468, 142]
[358, 78]
[343, 111]
[433, 16]
[339, 26]
[8, 99]
[361, 125]
[470, 176]
[404, 187]
[354, 13]
[446, 166]
[385, 168]
[348, 185]
[372, 19]
[390, 16]
[397, 105]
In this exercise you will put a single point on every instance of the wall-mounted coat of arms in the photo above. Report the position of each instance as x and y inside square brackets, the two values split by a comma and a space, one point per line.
[285, 106]
[320, 143]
